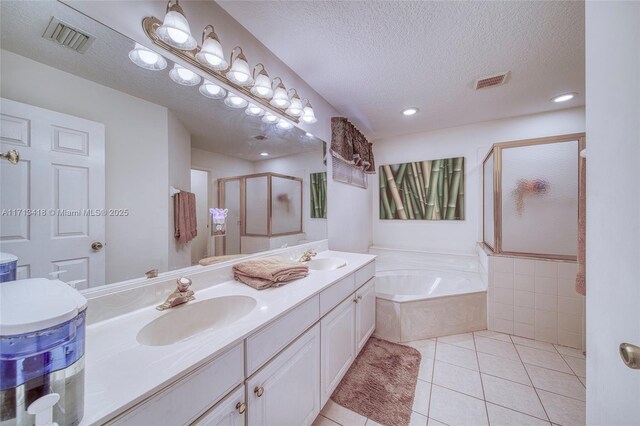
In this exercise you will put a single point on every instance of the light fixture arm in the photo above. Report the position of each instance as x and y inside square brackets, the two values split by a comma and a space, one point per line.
[175, 7]
[294, 91]
[263, 71]
[211, 34]
[279, 84]
[238, 56]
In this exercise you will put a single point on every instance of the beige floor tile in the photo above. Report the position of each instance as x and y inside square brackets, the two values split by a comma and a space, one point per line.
[421, 398]
[433, 422]
[496, 347]
[542, 358]
[455, 408]
[373, 423]
[323, 421]
[501, 416]
[456, 355]
[578, 365]
[463, 340]
[504, 368]
[533, 343]
[426, 369]
[557, 382]
[565, 350]
[512, 395]
[458, 379]
[427, 347]
[583, 380]
[562, 410]
[493, 335]
[342, 415]
[417, 419]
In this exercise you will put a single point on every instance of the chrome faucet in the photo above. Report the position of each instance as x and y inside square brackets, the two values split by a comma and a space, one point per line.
[307, 255]
[182, 294]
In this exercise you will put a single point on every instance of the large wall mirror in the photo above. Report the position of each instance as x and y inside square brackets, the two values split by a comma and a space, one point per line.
[104, 147]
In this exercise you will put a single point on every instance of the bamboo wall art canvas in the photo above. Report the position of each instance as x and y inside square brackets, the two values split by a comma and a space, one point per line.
[318, 195]
[423, 190]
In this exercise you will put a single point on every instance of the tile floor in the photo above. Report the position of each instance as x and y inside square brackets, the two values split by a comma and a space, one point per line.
[487, 378]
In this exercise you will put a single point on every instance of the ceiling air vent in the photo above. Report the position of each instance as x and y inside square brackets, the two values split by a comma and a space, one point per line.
[260, 137]
[492, 80]
[67, 36]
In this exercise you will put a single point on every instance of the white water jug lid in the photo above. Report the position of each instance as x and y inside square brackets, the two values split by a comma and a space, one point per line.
[7, 258]
[36, 304]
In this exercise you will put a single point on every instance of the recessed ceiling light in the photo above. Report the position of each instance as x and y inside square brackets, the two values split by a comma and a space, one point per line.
[565, 97]
[409, 111]
[264, 154]
[310, 135]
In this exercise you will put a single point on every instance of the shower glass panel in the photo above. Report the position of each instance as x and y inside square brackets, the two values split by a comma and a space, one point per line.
[540, 198]
[256, 204]
[530, 197]
[487, 191]
[286, 205]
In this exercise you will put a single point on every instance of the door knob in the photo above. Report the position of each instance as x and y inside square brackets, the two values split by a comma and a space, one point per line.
[96, 245]
[630, 355]
[259, 390]
[241, 407]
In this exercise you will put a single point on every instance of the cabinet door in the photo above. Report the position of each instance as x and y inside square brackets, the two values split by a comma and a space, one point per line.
[338, 345]
[228, 412]
[286, 391]
[365, 312]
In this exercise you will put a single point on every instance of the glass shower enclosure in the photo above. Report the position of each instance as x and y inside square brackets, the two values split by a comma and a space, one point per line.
[530, 197]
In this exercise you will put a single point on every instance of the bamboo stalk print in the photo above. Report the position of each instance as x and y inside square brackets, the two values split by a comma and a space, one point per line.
[454, 188]
[395, 194]
[385, 210]
[318, 195]
[423, 190]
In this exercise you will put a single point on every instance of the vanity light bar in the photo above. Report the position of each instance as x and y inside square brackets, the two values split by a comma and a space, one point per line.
[236, 75]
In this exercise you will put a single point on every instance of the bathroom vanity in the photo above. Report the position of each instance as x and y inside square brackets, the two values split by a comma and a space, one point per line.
[277, 364]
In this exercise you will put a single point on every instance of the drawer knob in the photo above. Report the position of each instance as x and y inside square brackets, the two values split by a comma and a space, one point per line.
[259, 390]
[241, 407]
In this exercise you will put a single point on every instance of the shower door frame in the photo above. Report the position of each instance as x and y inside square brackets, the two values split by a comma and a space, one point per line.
[496, 150]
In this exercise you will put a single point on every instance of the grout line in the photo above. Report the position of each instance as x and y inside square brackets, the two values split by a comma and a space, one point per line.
[484, 397]
[534, 388]
[433, 372]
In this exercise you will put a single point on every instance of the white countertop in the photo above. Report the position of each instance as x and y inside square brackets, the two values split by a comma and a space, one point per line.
[120, 372]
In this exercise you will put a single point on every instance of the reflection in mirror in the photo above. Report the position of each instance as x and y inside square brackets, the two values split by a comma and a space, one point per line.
[119, 166]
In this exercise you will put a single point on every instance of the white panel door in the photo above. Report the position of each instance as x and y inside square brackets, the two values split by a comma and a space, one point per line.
[52, 202]
[365, 313]
[338, 345]
[286, 392]
[229, 412]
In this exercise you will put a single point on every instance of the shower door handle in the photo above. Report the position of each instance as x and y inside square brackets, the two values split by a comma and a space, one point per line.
[630, 354]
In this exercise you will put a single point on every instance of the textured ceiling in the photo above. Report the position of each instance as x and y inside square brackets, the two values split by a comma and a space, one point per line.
[371, 59]
[213, 126]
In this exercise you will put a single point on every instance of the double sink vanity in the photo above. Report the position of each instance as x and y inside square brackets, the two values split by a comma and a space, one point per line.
[233, 356]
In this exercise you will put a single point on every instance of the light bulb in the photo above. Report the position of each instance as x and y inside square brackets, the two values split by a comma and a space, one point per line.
[211, 90]
[308, 116]
[147, 59]
[262, 86]
[284, 124]
[234, 101]
[270, 118]
[280, 98]
[211, 54]
[175, 29]
[184, 76]
[240, 72]
[295, 108]
[254, 110]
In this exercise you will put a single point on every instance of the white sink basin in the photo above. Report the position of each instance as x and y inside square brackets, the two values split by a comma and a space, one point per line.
[326, 264]
[192, 318]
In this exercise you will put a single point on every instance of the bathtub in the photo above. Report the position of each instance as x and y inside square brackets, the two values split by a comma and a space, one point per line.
[419, 303]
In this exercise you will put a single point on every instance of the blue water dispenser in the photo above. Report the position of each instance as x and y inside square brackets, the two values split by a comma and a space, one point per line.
[42, 343]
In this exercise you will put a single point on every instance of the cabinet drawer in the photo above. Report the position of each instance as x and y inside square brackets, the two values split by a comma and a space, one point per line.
[270, 340]
[335, 294]
[228, 412]
[184, 401]
[365, 273]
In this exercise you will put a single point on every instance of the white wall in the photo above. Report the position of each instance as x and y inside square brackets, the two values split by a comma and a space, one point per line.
[613, 234]
[136, 157]
[179, 158]
[473, 142]
[301, 165]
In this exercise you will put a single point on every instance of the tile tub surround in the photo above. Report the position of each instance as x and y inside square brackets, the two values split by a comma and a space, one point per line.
[114, 356]
[428, 318]
[481, 378]
[535, 299]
